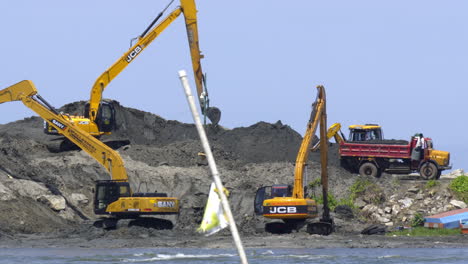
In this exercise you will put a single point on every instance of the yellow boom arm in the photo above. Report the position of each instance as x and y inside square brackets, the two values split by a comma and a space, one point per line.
[188, 8]
[317, 116]
[26, 92]
[333, 131]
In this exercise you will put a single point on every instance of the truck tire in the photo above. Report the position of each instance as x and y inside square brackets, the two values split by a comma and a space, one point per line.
[369, 169]
[429, 171]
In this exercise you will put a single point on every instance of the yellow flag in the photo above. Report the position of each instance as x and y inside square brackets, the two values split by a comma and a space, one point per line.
[214, 218]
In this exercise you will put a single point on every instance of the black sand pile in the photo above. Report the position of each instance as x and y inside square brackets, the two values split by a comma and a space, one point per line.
[46, 198]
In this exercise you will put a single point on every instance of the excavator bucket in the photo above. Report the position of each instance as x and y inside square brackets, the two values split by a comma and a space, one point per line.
[323, 227]
[214, 114]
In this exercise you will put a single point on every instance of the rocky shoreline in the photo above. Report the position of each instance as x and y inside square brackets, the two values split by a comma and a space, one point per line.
[171, 239]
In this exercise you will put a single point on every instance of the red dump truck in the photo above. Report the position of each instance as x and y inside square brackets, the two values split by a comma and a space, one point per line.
[371, 158]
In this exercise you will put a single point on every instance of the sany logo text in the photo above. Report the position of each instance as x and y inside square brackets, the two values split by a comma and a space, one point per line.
[58, 124]
[170, 204]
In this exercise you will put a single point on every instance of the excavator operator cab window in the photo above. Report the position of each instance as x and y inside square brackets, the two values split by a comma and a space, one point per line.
[261, 195]
[281, 191]
[108, 192]
[86, 110]
[268, 192]
[124, 191]
[100, 198]
[105, 119]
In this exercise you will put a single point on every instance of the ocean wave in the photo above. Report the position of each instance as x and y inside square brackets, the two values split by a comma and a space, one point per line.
[176, 256]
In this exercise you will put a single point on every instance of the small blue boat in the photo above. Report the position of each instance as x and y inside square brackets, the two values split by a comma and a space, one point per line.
[449, 220]
[464, 226]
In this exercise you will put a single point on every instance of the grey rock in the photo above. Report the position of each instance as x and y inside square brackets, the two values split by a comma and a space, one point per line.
[56, 202]
[458, 204]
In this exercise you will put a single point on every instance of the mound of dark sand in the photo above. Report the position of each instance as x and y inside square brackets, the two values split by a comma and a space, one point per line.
[46, 198]
[161, 156]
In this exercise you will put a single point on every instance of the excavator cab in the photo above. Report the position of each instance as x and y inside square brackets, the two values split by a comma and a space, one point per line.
[365, 132]
[105, 118]
[268, 192]
[107, 192]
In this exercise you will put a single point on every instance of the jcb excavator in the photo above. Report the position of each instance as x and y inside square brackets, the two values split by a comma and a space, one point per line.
[113, 198]
[289, 204]
[99, 115]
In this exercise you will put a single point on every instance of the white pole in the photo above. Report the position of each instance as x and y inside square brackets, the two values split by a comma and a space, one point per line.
[213, 168]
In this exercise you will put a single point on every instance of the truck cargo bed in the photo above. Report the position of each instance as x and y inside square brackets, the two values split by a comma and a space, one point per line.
[392, 151]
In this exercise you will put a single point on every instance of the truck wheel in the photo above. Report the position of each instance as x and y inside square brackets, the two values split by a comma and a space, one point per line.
[369, 169]
[429, 171]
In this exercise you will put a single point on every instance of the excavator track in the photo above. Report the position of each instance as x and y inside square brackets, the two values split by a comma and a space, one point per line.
[323, 228]
[111, 223]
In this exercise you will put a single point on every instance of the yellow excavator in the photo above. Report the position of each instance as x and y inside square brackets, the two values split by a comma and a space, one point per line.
[99, 114]
[113, 198]
[288, 203]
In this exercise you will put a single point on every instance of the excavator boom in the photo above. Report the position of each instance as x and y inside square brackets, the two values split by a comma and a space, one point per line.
[106, 77]
[26, 92]
[304, 150]
[188, 8]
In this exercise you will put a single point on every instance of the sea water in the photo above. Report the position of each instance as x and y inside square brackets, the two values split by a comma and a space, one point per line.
[266, 256]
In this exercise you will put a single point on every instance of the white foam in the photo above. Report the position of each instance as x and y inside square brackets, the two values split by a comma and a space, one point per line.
[177, 256]
[389, 256]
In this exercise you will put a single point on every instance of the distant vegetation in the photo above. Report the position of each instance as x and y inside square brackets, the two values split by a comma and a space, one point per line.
[418, 220]
[432, 183]
[367, 190]
[459, 186]
[362, 187]
[423, 231]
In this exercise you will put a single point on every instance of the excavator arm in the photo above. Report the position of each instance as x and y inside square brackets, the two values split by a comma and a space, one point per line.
[190, 15]
[319, 115]
[26, 92]
[188, 8]
[106, 77]
[333, 131]
[318, 110]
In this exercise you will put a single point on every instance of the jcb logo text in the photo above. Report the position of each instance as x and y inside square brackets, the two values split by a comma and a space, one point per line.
[133, 53]
[283, 210]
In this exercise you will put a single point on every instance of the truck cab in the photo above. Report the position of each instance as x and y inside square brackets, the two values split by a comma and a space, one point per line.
[365, 132]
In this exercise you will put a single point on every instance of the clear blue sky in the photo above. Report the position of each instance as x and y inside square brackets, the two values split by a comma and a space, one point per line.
[401, 64]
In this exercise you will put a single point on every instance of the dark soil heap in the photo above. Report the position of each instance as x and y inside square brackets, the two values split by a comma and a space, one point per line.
[41, 191]
[162, 155]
